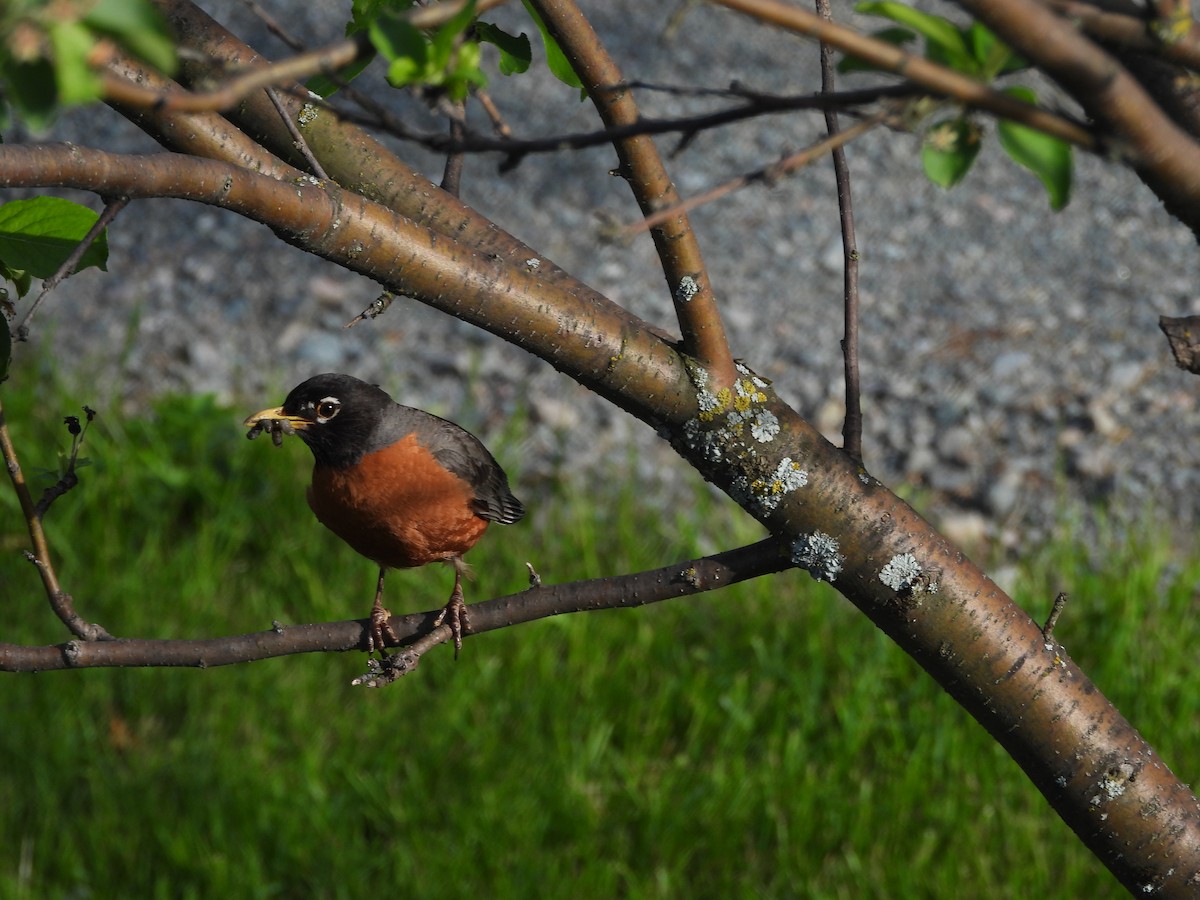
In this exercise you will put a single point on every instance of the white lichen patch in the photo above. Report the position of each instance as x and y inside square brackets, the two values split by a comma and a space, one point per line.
[308, 114]
[764, 427]
[706, 442]
[902, 572]
[732, 425]
[754, 379]
[818, 553]
[533, 263]
[771, 490]
[688, 288]
[1114, 783]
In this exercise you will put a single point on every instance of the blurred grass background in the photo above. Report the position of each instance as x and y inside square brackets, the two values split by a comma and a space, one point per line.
[760, 741]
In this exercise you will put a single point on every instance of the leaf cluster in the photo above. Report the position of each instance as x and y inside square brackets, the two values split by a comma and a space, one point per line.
[952, 144]
[447, 60]
[51, 53]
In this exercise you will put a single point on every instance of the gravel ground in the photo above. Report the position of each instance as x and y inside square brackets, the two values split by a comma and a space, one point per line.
[1012, 362]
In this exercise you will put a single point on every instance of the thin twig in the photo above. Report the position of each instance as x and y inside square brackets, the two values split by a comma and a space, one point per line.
[60, 601]
[933, 77]
[285, 72]
[852, 424]
[112, 207]
[753, 106]
[766, 175]
[1060, 603]
[297, 138]
[499, 126]
[69, 479]
[452, 173]
[272, 25]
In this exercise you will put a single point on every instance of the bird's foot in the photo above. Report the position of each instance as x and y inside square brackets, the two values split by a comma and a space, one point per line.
[380, 632]
[455, 615]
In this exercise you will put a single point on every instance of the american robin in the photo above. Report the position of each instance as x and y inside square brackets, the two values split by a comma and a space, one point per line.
[401, 486]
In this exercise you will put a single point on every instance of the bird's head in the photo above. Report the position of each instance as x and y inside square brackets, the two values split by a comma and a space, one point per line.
[338, 417]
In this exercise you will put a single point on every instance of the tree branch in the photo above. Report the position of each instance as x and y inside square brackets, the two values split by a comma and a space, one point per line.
[621, 592]
[678, 250]
[936, 79]
[585, 335]
[350, 156]
[1165, 156]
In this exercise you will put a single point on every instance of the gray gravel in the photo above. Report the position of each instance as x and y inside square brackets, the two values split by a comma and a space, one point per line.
[1012, 363]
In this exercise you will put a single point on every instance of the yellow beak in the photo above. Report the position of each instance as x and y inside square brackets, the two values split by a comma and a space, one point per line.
[275, 415]
[275, 421]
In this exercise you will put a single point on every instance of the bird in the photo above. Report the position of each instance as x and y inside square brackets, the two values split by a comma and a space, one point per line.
[401, 486]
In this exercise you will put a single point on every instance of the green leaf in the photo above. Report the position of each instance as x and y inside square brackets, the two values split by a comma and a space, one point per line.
[1049, 158]
[556, 60]
[896, 35]
[465, 71]
[995, 58]
[949, 150]
[139, 27]
[364, 12]
[29, 86]
[515, 51]
[19, 278]
[944, 40]
[403, 46]
[75, 79]
[446, 38]
[38, 235]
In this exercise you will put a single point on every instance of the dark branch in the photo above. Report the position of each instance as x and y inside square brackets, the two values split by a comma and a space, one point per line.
[752, 105]
[621, 592]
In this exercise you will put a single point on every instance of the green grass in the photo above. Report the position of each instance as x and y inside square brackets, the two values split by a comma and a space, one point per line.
[760, 741]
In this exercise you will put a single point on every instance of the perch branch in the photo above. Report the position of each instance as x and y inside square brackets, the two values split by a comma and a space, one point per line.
[621, 592]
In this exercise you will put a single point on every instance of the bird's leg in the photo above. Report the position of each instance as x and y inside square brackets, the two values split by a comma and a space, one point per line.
[455, 611]
[381, 630]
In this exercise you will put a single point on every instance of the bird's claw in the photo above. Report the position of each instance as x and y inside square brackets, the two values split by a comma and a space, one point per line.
[455, 615]
[380, 632]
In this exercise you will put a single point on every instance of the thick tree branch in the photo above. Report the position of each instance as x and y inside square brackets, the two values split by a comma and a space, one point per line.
[1130, 31]
[350, 156]
[1164, 155]
[586, 336]
[621, 592]
[936, 79]
[683, 264]
[205, 134]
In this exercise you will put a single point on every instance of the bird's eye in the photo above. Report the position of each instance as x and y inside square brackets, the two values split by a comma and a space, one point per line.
[326, 409]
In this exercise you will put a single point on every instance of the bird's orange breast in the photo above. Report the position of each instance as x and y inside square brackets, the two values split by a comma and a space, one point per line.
[398, 507]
